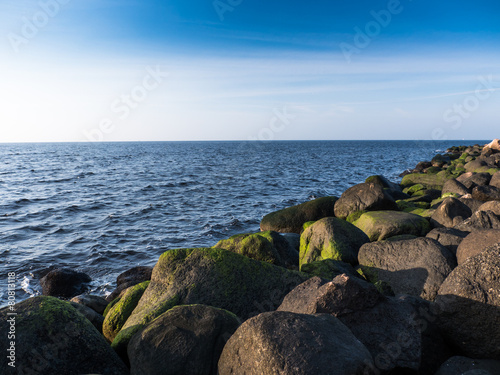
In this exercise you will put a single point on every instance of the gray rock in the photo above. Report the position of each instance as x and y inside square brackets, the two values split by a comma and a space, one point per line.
[379, 322]
[467, 366]
[470, 202]
[449, 213]
[53, 338]
[280, 343]
[493, 206]
[96, 303]
[454, 187]
[486, 193]
[329, 269]
[477, 179]
[93, 317]
[365, 196]
[495, 180]
[469, 305]
[476, 242]
[448, 237]
[183, 340]
[479, 220]
[415, 267]
[64, 282]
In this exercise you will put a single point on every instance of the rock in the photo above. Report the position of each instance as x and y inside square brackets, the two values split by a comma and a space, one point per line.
[440, 160]
[415, 267]
[449, 213]
[475, 165]
[464, 176]
[183, 340]
[393, 189]
[129, 278]
[479, 220]
[331, 238]
[493, 206]
[422, 165]
[96, 303]
[448, 237]
[494, 145]
[293, 239]
[470, 202]
[477, 179]
[120, 312]
[267, 246]
[476, 242]
[282, 343]
[486, 193]
[93, 317]
[469, 305]
[380, 225]
[455, 187]
[53, 338]
[213, 277]
[468, 366]
[329, 268]
[365, 196]
[290, 220]
[64, 282]
[377, 321]
[495, 180]
[431, 181]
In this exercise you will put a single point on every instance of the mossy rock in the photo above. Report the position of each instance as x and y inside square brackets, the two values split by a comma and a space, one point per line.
[52, 337]
[380, 225]
[110, 306]
[213, 277]
[331, 238]
[354, 216]
[430, 181]
[433, 170]
[413, 189]
[370, 274]
[291, 219]
[423, 212]
[328, 269]
[307, 224]
[121, 310]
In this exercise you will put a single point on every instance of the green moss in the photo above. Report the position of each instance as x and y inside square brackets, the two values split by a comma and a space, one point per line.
[327, 268]
[307, 224]
[413, 189]
[355, 216]
[430, 181]
[110, 306]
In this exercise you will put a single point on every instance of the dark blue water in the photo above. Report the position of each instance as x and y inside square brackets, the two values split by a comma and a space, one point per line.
[103, 208]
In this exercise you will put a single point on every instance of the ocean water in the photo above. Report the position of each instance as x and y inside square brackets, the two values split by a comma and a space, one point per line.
[103, 208]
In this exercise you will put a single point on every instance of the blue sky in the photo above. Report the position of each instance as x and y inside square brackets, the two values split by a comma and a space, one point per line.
[74, 70]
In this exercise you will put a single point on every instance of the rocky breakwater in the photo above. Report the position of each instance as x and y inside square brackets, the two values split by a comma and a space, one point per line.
[386, 279]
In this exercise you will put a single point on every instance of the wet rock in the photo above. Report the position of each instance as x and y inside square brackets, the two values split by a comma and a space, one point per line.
[286, 343]
[365, 196]
[64, 282]
[415, 267]
[476, 242]
[53, 338]
[331, 238]
[469, 305]
[183, 340]
[291, 219]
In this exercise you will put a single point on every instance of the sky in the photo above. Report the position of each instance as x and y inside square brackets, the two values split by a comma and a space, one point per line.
[150, 70]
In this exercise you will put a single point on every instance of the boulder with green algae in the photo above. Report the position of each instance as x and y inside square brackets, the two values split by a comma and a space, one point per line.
[413, 189]
[379, 225]
[430, 181]
[269, 246]
[52, 337]
[209, 276]
[291, 219]
[121, 310]
[331, 238]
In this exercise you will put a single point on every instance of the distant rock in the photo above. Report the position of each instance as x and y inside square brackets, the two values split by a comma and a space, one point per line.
[282, 343]
[64, 282]
[183, 340]
[291, 219]
[365, 196]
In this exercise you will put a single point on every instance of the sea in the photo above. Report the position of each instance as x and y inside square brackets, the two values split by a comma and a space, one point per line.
[103, 208]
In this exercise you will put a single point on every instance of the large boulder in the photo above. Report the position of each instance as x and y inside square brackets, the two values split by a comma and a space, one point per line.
[416, 267]
[93, 317]
[454, 187]
[476, 242]
[393, 189]
[476, 179]
[377, 321]
[121, 310]
[449, 213]
[469, 302]
[183, 340]
[493, 145]
[475, 165]
[448, 237]
[365, 196]
[51, 337]
[267, 246]
[380, 225]
[468, 366]
[479, 220]
[329, 269]
[280, 342]
[131, 277]
[331, 238]
[213, 277]
[486, 193]
[291, 219]
[64, 282]
[430, 181]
